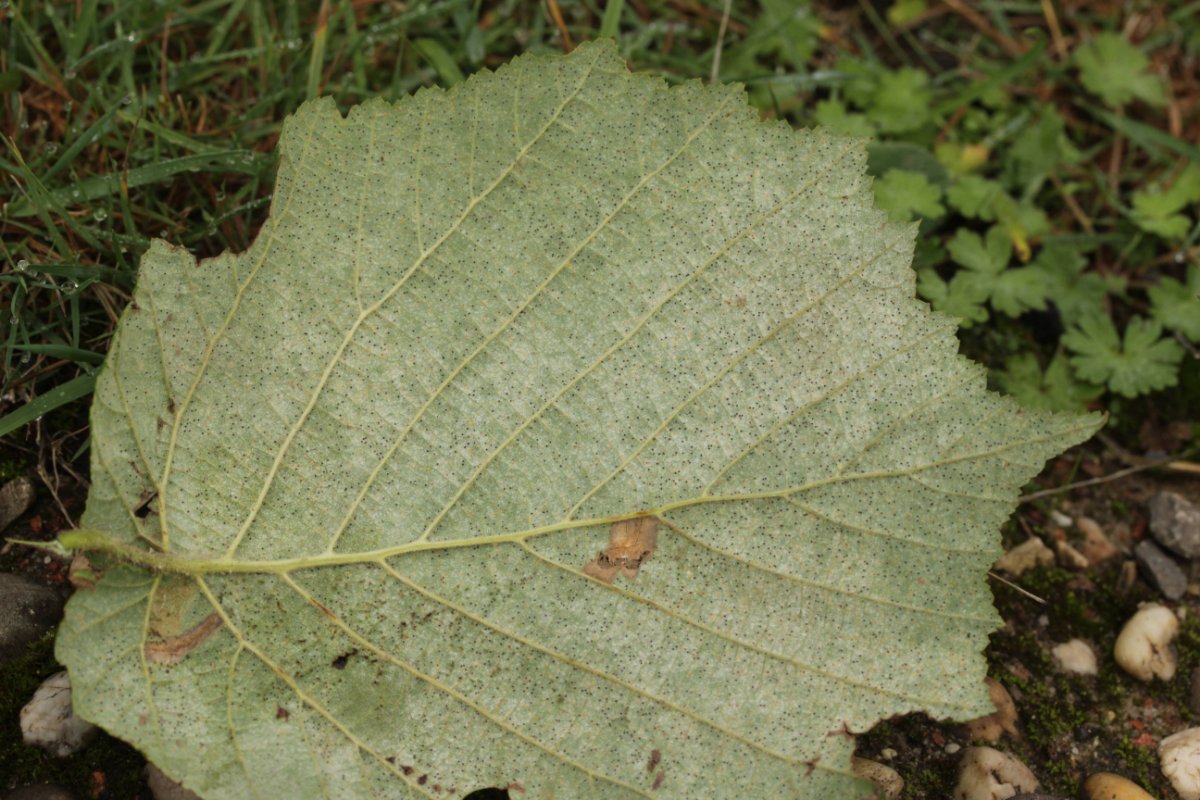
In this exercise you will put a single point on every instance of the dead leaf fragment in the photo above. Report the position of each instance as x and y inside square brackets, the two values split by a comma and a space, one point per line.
[630, 543]
[82, 574]
[172, 651]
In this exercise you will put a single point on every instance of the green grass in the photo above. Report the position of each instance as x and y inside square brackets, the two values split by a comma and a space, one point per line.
[144, 119]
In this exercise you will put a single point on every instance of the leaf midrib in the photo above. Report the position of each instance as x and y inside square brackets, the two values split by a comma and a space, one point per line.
[185, 564]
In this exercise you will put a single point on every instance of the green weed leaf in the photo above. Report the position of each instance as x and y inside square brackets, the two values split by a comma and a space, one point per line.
[1177, 305]
[1116, 71]
[987, 279]
[1076, 293]
[1142, 363]
[1159, 211]
[973, 196]
[962, 297]
[902, 194]
[1056, 389]
[834, 115]
[901, 102]
[986, 256]
[562, 431]
[1039, 149]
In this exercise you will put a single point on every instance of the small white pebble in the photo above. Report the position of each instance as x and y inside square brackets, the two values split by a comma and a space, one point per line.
[1143, 647]
[953, 748]
[888, 753]
[1069, 557]
[989, 774]
[49, 722]
[1025, 556]
[1076, 657]
[1043, 620]
[1107, 786]
[1180, 757]
[1003, 720]
[1060, 519]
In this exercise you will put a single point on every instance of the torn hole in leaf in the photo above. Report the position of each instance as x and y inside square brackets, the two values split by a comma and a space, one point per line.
[631, 542]
[490, 793]
[174, 650]
[145, 505]
[341, 661]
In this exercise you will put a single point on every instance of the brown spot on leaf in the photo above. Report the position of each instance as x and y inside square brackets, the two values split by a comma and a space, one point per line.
[658, 780]
[421, 780]
[631, 542]
[655, 758]
[175, 649]
[810, 766]
[281, 713]
[407, 770]
[842, 731]
[515, 785]
[322, 607]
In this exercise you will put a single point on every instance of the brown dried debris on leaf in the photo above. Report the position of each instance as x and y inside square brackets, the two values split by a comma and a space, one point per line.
[631, 542]
[172, 651]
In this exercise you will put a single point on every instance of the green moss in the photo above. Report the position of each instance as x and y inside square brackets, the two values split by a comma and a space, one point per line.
[1059, 711]
[11, 468]
[926, 783]
[1187, 645]
[1139, 764]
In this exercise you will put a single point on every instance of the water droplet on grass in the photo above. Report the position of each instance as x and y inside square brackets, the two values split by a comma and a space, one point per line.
[22, 266]
[100, 215]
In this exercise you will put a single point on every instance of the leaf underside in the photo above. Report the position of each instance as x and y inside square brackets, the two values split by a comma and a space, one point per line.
[560, 317]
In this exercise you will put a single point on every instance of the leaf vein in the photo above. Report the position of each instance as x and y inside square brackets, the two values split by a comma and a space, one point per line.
[370, 311]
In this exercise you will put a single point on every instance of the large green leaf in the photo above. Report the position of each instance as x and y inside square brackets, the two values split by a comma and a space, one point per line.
[351, 488]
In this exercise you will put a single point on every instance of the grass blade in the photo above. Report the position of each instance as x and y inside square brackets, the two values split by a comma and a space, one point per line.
[433, 52]
[610, 23]
[47, 402]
